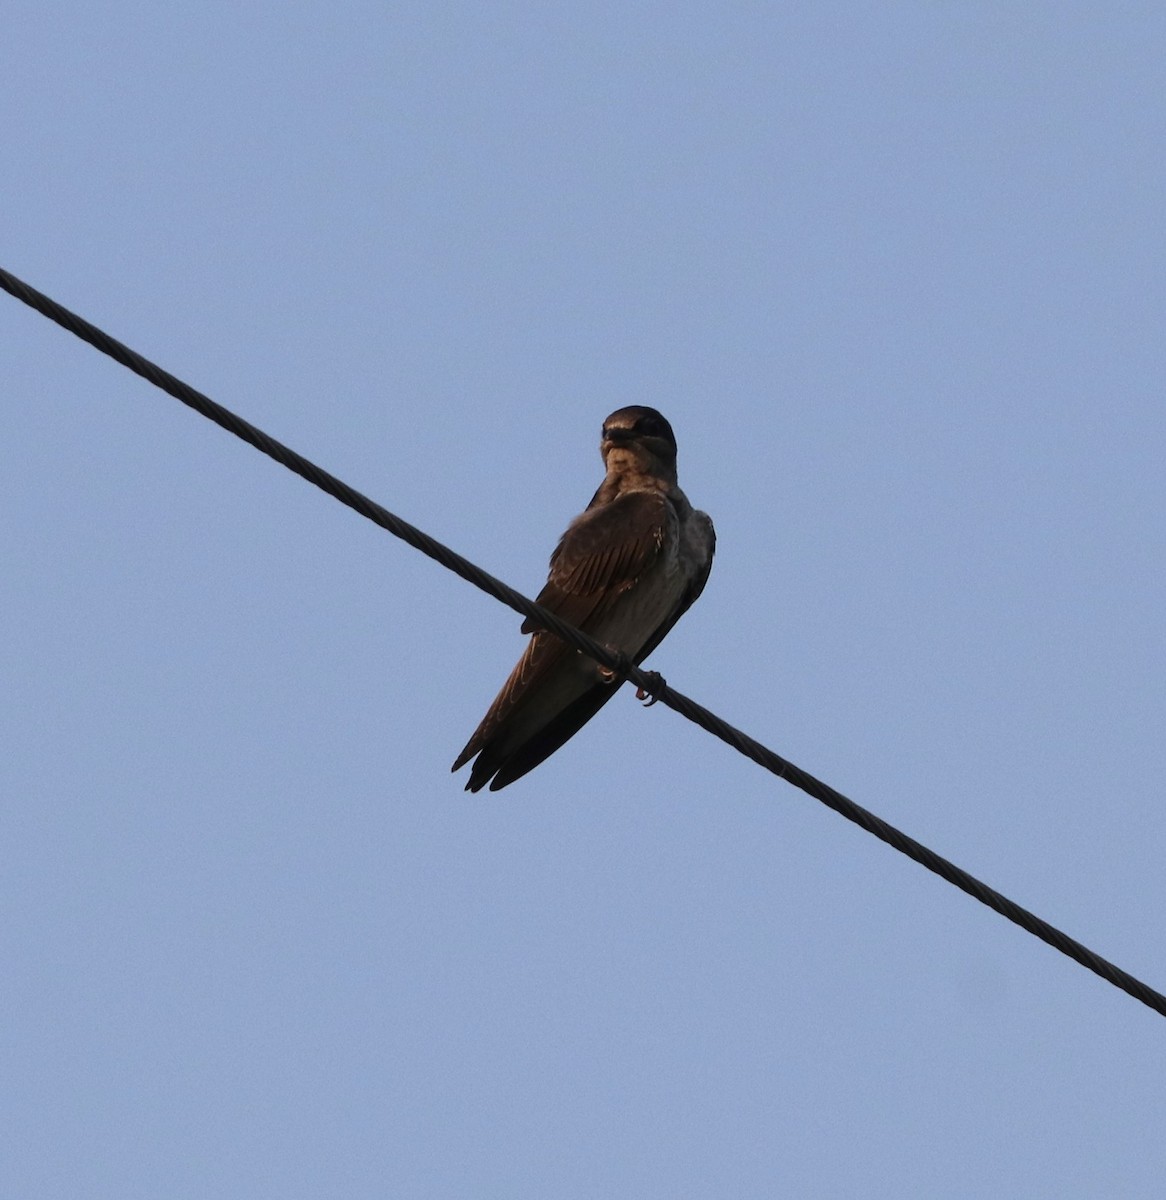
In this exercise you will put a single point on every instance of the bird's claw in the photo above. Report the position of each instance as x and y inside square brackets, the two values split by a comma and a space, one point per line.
[618, 673]
[651, 694]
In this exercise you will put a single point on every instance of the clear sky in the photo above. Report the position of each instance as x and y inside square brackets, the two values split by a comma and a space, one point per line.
[896, 273]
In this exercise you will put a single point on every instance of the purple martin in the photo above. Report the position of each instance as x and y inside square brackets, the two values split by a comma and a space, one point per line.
[625, 571]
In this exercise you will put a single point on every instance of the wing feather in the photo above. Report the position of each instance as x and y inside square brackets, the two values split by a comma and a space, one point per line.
[603, 553]
[691, 593]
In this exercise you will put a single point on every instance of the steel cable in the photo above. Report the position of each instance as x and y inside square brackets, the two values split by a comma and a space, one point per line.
[649, 681]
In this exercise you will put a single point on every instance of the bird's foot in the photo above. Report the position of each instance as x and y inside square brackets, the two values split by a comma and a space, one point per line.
[617, 674]
[652, 693]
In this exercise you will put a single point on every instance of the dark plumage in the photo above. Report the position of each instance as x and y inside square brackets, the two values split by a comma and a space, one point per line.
[624, 572]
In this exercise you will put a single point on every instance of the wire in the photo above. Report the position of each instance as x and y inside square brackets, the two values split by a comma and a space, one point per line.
[648, 680]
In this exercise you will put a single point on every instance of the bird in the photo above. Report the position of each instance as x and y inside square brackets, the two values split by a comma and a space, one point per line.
[624, 572]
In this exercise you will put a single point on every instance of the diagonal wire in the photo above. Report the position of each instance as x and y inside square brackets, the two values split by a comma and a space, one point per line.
[648, 680]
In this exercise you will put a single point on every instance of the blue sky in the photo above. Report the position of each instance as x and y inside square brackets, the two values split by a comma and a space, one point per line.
[896, 275]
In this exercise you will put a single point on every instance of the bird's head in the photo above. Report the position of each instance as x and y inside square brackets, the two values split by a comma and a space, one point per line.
[639, 439]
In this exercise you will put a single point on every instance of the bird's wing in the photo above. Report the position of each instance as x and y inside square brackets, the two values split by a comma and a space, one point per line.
[691, 593]
[600, 557]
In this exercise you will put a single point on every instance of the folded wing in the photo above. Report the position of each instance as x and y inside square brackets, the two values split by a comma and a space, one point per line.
[606, 553]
